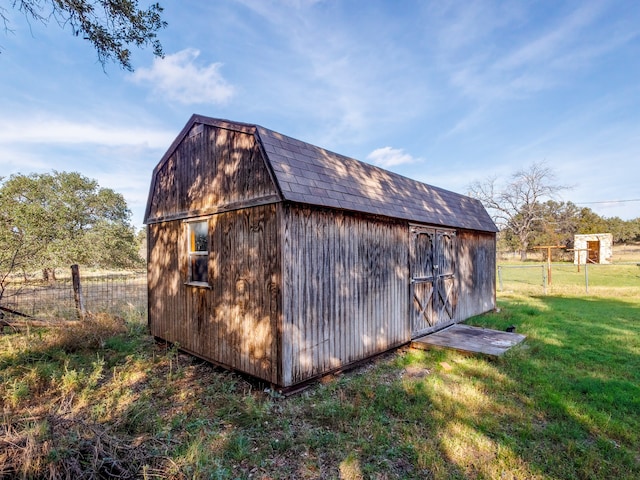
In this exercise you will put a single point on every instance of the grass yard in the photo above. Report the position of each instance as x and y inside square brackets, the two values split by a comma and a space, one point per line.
[105, 400]
[618, 280]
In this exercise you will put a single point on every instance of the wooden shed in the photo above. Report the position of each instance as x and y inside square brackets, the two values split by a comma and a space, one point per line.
[280, 259]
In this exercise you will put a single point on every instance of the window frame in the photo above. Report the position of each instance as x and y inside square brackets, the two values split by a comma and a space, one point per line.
[191, 253]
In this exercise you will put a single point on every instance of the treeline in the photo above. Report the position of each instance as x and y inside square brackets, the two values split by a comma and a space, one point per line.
[558, 222]
[524, 209]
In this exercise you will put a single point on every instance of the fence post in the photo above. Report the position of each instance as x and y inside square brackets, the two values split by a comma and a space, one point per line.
[500, 277]
[77, 291]
[544, 280]
[586, 277]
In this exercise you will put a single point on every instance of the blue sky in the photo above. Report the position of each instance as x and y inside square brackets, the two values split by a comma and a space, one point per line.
[445, 92]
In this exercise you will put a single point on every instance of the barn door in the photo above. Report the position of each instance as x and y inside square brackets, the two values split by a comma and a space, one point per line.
[445, 296]
[593, 251]
[433, 286]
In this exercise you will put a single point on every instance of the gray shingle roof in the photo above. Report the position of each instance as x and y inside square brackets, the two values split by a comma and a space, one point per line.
[312, 175]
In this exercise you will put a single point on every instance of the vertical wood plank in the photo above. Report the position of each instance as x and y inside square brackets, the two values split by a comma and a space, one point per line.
[350, 278]
[230, 323]
[213, 168]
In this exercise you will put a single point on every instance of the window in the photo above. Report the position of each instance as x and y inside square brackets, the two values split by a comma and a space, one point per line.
[199, 252]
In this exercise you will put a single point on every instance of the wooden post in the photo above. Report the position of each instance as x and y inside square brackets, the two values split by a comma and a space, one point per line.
[586, 250]
[77, 291]
[549, 247]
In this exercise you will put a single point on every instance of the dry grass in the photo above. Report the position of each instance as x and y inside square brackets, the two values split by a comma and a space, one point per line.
[620, 279]
[91, 333]
[44, 432]
[104, 401]
[59, 447]
[626, 253]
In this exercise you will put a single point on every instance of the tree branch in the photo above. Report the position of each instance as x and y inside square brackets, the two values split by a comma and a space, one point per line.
[112, 26]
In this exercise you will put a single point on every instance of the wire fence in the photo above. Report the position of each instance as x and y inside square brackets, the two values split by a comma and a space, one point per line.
[127, 293]
[116, 294]
[591, 279]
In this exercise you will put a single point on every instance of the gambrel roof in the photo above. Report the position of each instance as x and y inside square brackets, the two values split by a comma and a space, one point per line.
[308, 174]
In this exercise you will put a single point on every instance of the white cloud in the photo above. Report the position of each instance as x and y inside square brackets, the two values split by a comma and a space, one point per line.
[14, 160]
[51, 130]
[178, 78]
[342, 76]
[539, 58]
[567, 35]
[390, 157]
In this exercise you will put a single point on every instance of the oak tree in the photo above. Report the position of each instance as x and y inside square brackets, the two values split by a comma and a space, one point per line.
[53, 220]
[516, 205]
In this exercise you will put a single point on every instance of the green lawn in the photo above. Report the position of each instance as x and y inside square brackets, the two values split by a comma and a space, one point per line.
[105, 400]
[566, 278]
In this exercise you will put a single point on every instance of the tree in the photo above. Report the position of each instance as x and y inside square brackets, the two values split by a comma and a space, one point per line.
[558, 226]
[635, 228]
[517, 205]
[14, 247]
[622, 231]
[53, 220]
[590, 222]
[110, 25]
[141, 240]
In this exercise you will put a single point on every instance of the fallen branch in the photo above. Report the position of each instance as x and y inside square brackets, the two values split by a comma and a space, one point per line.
[19, 324]
[15, 312]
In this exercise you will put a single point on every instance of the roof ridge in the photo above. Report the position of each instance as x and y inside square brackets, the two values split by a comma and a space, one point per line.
[309, 174]
[306, 176]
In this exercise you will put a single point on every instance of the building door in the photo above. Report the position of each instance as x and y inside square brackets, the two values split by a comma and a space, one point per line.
[433, 283]
[593, 251]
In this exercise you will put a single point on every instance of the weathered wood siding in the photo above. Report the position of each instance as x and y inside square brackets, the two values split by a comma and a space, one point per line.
[476, 273]
[332, 290]
[298, 286]
[211, 170]
[167, 294]
[233, 323]
[345, 287]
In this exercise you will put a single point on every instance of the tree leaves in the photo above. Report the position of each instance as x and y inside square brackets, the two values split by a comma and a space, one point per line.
[110, 25]
[54, 220]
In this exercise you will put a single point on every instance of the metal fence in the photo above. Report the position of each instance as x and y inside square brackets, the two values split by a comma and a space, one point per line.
[117, 294]
[542, 278]
[127, 293]
[529, 275]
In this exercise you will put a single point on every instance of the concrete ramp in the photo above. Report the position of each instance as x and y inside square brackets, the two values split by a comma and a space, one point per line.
[470, 339]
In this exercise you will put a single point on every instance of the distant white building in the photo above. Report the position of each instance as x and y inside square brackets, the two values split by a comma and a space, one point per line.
[593, 248]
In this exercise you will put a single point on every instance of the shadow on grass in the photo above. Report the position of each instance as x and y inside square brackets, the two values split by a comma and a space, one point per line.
[562, 405]
[580, 372]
